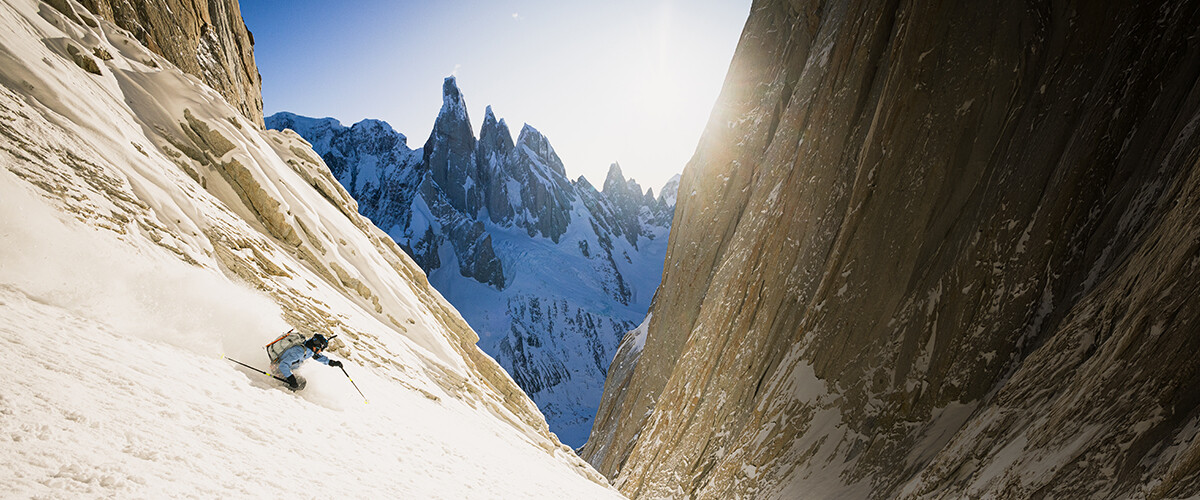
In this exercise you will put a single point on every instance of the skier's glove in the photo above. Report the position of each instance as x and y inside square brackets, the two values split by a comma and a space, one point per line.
[292, 383]
[335, 363]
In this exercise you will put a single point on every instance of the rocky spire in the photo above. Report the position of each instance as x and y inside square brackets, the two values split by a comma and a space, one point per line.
[625, 196]
[494, 136]
[539, 148]
[495, 144]
[450, 152]
[615, 180]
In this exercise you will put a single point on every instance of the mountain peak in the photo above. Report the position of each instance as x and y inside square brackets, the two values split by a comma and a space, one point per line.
[489, 120]
[453, 102]
[494, 135]
[539, 146]
[300, 124]
[532, 133]
[450, 150]
[615, 180]
[670, 190]
[372, 124]
[450, 87]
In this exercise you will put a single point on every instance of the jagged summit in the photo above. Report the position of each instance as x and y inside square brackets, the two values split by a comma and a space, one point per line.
[615, 184]
[378, 129]
[452, 98]
[379, 126]
[450, 153]
[540, 149]
[615, 179]
[495, 141]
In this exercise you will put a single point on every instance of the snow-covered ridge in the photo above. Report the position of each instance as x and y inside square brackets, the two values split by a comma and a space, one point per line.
[146, 229]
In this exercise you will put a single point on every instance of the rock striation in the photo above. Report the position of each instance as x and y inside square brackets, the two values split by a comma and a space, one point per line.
[550, 272]
[204, 38]
[929, 251]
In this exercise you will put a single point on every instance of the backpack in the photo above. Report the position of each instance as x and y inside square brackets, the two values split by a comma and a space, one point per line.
[286, 341]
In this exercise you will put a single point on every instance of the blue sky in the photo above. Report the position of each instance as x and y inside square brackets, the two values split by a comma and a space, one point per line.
[626, 81]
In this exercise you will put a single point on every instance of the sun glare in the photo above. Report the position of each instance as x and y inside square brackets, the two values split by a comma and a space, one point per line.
[628, 81]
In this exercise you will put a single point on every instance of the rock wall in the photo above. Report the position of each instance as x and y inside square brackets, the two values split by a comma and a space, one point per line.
[924, 249]
[206, 39]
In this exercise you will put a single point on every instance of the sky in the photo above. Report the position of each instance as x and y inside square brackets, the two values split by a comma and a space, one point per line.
[628, 81]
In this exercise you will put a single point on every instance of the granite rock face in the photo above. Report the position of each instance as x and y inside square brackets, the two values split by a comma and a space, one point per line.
[204, 38]
[930, 251]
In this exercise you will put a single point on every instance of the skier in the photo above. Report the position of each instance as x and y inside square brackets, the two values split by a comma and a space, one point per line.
[292, 358]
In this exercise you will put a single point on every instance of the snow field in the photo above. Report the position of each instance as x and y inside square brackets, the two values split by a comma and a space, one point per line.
[87, 411]
[145, 294]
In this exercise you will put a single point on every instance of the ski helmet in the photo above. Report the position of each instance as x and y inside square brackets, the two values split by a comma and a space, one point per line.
[317, 342]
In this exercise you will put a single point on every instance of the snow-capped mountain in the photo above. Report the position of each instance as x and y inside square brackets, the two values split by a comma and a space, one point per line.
[670, 190]
[551, 272]
[147, 230]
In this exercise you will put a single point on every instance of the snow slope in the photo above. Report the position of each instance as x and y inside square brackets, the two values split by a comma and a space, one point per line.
[146, 231]
[115, 386]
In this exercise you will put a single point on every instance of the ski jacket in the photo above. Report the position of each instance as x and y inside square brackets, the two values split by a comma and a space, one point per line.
[291, 358]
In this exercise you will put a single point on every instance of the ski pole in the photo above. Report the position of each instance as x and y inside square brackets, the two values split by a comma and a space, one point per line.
[269, 374]
[364, 396]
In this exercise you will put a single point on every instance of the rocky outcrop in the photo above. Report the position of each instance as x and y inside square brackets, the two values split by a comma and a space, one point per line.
[204, 38]
[923, 250]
